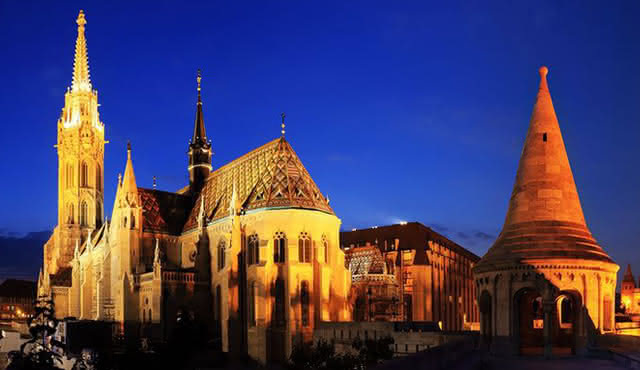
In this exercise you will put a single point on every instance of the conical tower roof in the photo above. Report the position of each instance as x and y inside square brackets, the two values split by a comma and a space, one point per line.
[628, 276]
[545, 218]
[129, 179]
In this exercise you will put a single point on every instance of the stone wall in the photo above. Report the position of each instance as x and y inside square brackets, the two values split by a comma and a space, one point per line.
[409, 338]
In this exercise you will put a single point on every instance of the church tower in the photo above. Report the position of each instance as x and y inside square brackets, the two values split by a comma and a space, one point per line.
[199, 149]
[80, 148]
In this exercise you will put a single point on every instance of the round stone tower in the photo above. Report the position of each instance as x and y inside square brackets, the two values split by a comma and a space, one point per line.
[545, 286]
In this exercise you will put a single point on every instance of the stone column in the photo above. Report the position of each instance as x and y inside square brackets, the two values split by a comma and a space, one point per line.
[548, 307]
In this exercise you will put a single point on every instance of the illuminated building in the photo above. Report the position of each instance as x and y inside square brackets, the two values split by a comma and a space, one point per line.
[250, 249]
[630, 293]
[432, 272]
[16, 299]
[546, 285]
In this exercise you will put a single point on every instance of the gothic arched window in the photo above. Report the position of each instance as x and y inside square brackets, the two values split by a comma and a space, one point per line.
[84, 171]
[69, 175]
[98, 177]
[253, 250]
[70, 216]
[304, 303]
[304, 247]
[98, 213]
[221, 254]
[279, 247]
[325, 245]
[133, 221]
[84, 210]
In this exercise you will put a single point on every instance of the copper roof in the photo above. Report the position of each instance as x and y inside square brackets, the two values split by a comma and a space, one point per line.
[269, 176]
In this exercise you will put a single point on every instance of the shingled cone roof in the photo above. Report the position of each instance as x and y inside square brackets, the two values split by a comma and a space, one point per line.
[544, 219]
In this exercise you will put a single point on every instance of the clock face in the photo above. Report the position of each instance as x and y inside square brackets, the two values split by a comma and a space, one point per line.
[192, 256]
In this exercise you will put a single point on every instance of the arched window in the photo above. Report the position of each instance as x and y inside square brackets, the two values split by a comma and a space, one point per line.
[253, 250]
[84, 170]
[221, 254]
[133, 221]
[325, 245]
[252, 304]
[69, 175]
[98, 214]
[98, 177]
[144, 315]
[280, 298]
[70, 216]
[304, 303]
[83, 213]
[150, 317]
[304, 247]
[279, 247]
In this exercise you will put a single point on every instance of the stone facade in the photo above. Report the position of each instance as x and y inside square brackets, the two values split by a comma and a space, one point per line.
[250, 250]
[433, 273]
[545, 286]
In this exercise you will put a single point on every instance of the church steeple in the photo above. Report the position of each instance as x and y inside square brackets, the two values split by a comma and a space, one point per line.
[199, 148]
[80, 147]
[81, 81]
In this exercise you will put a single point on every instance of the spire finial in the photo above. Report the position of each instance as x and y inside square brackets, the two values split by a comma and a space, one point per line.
[154, 182]
[128, 149]
[543, 78]
[199, 78]
[283, 115]
[81, 81]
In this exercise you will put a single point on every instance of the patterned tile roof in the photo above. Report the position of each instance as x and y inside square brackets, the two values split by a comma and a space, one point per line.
[364, 260]
[269, 176]
[164, 211]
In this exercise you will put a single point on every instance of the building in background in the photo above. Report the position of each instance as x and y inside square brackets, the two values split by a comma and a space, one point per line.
[249, 250]
[16, 299]
[630, 293]
[546, 285]
[431, 274]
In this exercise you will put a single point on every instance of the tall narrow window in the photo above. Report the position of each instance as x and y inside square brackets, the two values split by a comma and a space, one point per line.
[280, 304]
[98, 214]
[304, 303]
[98, 177]
[69, 175]
[70, 216]
[84, 169]
[253, 250]
[544, 137]
[304, 248]
[221, 254]
[83, 213]
[218, 313]
[252, 304]
[279, 247]
[325, 245]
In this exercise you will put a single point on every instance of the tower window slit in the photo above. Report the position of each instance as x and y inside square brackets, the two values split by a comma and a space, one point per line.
[544, 137]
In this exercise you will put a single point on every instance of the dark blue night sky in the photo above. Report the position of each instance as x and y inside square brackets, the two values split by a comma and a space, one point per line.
[399, 110]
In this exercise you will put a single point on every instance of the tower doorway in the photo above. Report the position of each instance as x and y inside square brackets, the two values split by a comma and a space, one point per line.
[529, 322]
[485, 317]
[565, 324]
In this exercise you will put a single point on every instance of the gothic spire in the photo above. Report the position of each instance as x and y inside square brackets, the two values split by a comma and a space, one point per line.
[199, 133]
[628, 275]
[81, 81]
[129, 179]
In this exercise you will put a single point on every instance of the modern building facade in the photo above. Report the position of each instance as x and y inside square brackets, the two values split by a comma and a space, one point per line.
[433, 274]
[250, 249]
[546, 285]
